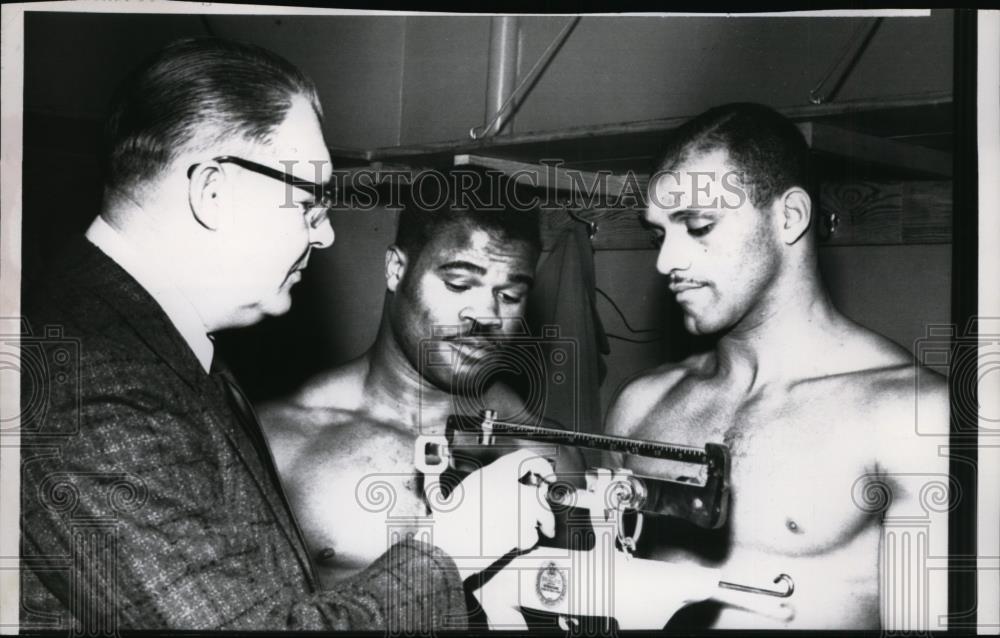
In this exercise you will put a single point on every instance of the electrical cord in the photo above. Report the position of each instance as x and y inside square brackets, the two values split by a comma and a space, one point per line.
[628, 326]
[622, 314]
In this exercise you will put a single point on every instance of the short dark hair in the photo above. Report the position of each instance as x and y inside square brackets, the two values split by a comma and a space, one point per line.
[765, 145]
[227, 90]
[479, 197]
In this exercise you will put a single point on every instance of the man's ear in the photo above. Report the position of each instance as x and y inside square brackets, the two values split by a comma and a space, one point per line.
[395, 267]
[795, 208]
[205, 194]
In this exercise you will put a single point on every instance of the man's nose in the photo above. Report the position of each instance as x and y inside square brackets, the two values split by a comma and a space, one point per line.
[322, 235]
[490, 321]
[673, 256]
[485, 314]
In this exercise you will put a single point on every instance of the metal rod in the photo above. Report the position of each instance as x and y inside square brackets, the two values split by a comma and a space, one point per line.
[657, 126]
[508, 427]
[855, 55]
[503, 68]
[506, 109]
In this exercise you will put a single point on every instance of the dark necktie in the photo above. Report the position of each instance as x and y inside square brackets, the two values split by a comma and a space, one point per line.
[244, 412]
[251, 426]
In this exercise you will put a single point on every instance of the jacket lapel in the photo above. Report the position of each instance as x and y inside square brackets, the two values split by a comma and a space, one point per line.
[141, 312]
[263, 470]
[137, 308]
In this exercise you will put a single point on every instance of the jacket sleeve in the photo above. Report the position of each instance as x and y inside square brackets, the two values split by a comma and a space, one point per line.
[413, 587]
[139, 520]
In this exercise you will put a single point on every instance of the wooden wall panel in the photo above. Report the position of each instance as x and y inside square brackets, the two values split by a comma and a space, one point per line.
[867, 213]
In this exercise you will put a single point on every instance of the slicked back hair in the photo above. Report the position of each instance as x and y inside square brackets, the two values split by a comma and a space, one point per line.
[471, 196]
[764, 145]
[197, 93]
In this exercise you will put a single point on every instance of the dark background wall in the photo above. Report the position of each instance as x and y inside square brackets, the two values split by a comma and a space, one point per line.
[386, 81]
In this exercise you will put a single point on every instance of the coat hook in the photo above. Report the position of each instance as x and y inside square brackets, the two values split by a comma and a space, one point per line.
[591, 226]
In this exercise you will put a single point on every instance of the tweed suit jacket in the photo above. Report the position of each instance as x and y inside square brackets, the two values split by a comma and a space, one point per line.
[145, 504]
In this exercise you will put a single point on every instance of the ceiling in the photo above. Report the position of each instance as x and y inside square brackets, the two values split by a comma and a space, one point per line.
[392, 85]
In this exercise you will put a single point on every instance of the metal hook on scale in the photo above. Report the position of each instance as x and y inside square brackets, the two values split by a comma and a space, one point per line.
[780, 578]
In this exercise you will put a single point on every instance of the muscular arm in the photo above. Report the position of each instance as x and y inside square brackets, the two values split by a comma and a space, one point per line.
[912, 461]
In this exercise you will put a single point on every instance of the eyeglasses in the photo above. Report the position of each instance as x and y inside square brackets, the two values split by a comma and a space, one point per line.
[318, 210]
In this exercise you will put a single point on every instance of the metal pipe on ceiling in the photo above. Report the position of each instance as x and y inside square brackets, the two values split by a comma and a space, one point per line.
[509, 105]
[502, 69]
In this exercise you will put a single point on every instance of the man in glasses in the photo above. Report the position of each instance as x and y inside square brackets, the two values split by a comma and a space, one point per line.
[149, 495]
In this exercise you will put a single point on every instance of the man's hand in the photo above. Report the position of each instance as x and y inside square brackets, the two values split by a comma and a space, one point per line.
[496, 509]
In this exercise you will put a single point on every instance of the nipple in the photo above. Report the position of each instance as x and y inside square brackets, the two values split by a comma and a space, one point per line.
[792, 526]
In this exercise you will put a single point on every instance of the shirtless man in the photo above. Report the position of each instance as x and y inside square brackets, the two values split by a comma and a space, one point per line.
[818, 412]
[346, 440]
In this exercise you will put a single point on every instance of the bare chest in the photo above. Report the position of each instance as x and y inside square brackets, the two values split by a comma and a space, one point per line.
[353, 489]
[795, 463]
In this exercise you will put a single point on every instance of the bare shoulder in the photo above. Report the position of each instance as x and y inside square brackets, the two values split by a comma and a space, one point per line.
[910, 401]
[905, 405]
[910, 423]
[294, 418]
[341, 387]
[307, 441]
[638, 396]
[358, 440]
[889, 374]
[291, 428]
[330, 398]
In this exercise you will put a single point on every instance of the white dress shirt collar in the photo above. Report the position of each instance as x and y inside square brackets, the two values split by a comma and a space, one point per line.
[178, 308]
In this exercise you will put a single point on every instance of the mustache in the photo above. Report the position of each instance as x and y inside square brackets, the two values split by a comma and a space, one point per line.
[485, 340]
[478, 335]
[675, 280]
